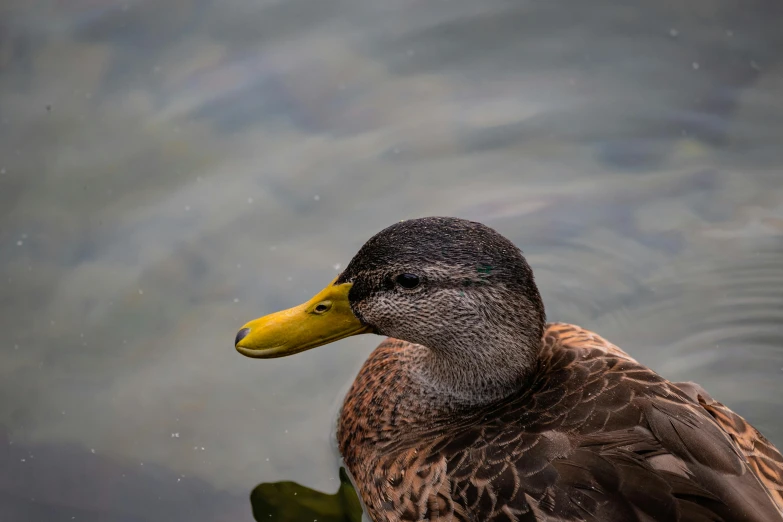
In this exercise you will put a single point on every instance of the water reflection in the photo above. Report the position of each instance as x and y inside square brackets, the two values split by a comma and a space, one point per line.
[170, 168]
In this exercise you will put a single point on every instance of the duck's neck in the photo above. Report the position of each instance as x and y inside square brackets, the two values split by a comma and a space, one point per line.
[403, 389]
[476, 368]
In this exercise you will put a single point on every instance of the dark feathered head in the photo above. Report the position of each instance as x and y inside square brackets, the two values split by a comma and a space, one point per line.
[454, 286]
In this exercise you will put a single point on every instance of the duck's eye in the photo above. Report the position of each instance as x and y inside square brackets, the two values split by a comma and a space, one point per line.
[408, 280]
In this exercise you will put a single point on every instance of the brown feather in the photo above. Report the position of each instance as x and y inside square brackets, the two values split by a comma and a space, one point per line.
[591, 436]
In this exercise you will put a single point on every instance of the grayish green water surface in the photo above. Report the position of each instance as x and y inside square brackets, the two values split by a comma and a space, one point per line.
[170, 169]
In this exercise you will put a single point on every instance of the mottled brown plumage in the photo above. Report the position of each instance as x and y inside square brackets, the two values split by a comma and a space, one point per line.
[595, 436]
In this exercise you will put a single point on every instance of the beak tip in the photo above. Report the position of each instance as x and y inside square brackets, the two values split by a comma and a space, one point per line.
[241, 334]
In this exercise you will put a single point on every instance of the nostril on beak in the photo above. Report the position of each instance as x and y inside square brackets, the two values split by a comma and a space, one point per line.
[241, 334]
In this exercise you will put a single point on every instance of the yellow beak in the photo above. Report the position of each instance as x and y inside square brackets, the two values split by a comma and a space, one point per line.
[325, 318]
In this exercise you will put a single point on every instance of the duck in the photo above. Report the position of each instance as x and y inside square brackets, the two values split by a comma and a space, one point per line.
[476, 409]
